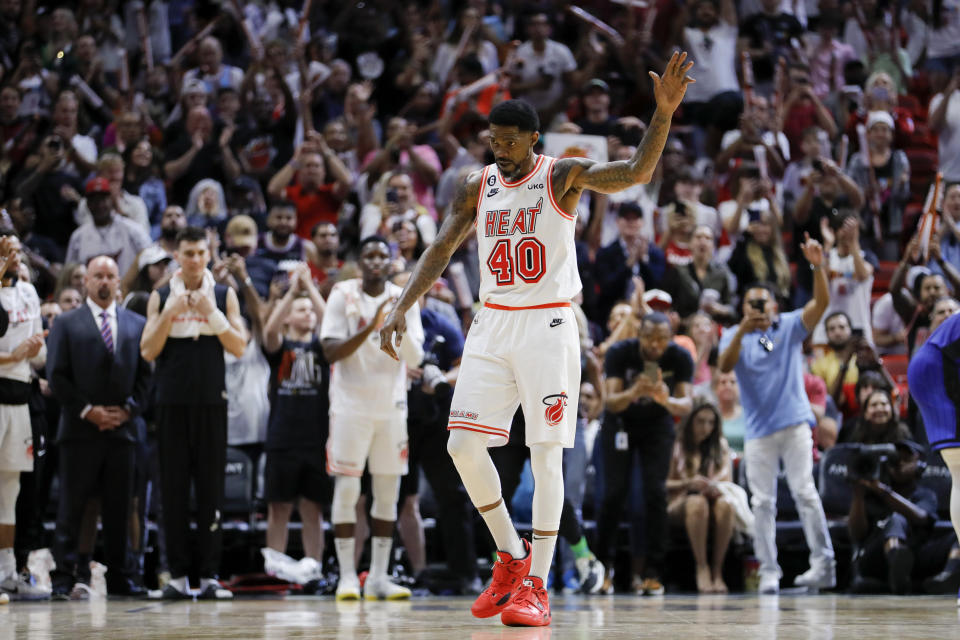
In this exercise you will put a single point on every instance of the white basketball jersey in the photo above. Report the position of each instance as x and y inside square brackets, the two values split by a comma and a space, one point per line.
[525, 240]
[368, 382]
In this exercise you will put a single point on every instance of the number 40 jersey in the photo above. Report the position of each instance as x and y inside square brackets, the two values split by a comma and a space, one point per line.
[525, 240]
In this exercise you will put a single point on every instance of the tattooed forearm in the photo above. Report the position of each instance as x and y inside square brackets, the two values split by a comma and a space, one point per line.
[610, 177]
[452, 233]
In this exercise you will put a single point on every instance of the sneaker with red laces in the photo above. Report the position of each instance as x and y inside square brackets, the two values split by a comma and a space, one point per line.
[507, 574]
[530, 607]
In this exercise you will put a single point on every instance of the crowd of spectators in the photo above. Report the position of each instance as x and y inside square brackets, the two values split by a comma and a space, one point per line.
[289, 137]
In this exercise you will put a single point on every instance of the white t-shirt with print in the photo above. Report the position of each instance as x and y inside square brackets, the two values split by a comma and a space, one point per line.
[848, 295]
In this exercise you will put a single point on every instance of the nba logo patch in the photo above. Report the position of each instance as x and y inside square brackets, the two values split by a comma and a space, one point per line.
[554, 411]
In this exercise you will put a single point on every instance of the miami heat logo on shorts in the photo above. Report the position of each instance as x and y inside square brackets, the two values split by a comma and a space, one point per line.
[554, 411]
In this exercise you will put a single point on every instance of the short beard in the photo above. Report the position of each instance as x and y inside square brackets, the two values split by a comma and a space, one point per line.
[839, 347]
[169, 234]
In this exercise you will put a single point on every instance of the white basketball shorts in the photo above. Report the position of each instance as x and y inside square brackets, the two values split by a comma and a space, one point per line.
[527, 357]
[354, 439]
[16, 438]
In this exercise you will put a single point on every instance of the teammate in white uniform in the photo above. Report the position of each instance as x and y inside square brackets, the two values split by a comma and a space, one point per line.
[21, 349]
[368, 415]
[523, 346]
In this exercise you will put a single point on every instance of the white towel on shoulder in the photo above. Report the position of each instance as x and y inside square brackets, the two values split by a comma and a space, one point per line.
[191, 324]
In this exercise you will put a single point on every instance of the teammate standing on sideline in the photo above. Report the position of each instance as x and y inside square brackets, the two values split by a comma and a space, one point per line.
[190, 323]
[524, 348]
[22, 348]
[368, 416]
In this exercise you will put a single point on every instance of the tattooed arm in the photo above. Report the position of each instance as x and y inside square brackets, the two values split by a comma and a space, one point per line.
[573, 175]
[434, 260]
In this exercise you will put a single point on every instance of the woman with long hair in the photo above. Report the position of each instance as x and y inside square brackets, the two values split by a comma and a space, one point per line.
[759, 256]
[142, 177]
[878, 423]
[701, 460]
[207, 205]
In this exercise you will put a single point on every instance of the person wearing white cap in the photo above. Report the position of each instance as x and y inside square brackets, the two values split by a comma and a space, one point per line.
[889, 185]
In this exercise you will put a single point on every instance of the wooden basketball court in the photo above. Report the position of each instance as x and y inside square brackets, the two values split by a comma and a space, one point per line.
[665, 618]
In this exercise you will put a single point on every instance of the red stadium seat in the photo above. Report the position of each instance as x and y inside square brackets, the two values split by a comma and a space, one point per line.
[896, 366]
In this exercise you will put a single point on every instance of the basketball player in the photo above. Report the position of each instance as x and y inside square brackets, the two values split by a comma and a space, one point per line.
[22, 349]
[934, 380]
[523, 348]
[368, 415]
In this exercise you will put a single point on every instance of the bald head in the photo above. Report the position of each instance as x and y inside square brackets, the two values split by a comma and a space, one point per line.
[102, 280]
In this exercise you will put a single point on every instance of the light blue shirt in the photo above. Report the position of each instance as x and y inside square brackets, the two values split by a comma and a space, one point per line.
[771, 382]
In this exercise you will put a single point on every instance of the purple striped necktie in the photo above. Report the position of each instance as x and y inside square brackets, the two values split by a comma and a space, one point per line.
[105, 331]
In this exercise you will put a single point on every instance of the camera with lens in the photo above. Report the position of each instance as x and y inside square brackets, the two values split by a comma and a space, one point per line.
[871, 462]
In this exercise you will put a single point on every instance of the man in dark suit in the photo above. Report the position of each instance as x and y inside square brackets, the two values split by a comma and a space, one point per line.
[632, 254]
[96, 372]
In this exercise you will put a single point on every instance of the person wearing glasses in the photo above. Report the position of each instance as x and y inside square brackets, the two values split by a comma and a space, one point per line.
[766, 352]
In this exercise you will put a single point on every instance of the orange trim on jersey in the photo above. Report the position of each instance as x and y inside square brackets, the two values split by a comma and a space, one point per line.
[511, 185]
[499, 434]
[503, 307]
[553, 201]
[483, 187]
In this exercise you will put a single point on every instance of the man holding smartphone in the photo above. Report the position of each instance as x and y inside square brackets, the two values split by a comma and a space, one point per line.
[648, 384]
[766, 352]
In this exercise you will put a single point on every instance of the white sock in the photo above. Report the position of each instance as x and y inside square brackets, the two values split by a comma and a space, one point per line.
[543, 547]
[180, 584]
[345, 549]
[379, 556]
[503, 532]
[8, 563]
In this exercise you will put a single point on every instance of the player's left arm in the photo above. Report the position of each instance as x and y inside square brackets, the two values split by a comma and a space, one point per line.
[234, 339]
[573, 175]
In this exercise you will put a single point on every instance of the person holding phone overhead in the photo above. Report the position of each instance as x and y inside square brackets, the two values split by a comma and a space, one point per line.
[648, 384]
[766, 351]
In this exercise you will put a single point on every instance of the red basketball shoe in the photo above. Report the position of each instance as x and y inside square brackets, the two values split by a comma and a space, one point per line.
[530, 607]
[507, 574]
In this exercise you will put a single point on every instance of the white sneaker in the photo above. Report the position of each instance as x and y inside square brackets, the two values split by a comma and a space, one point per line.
[591, 574]
[383, 589]
[818, 577]
[348, 588]
[769, 584]
[21, 587]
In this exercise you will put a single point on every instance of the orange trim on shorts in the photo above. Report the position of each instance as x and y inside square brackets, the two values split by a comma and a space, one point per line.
[479, 428]
[332, 468]
[503, 307]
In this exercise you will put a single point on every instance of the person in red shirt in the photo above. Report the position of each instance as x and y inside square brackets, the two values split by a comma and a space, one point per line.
[681, 220]
[803, 109]
[303, 182]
